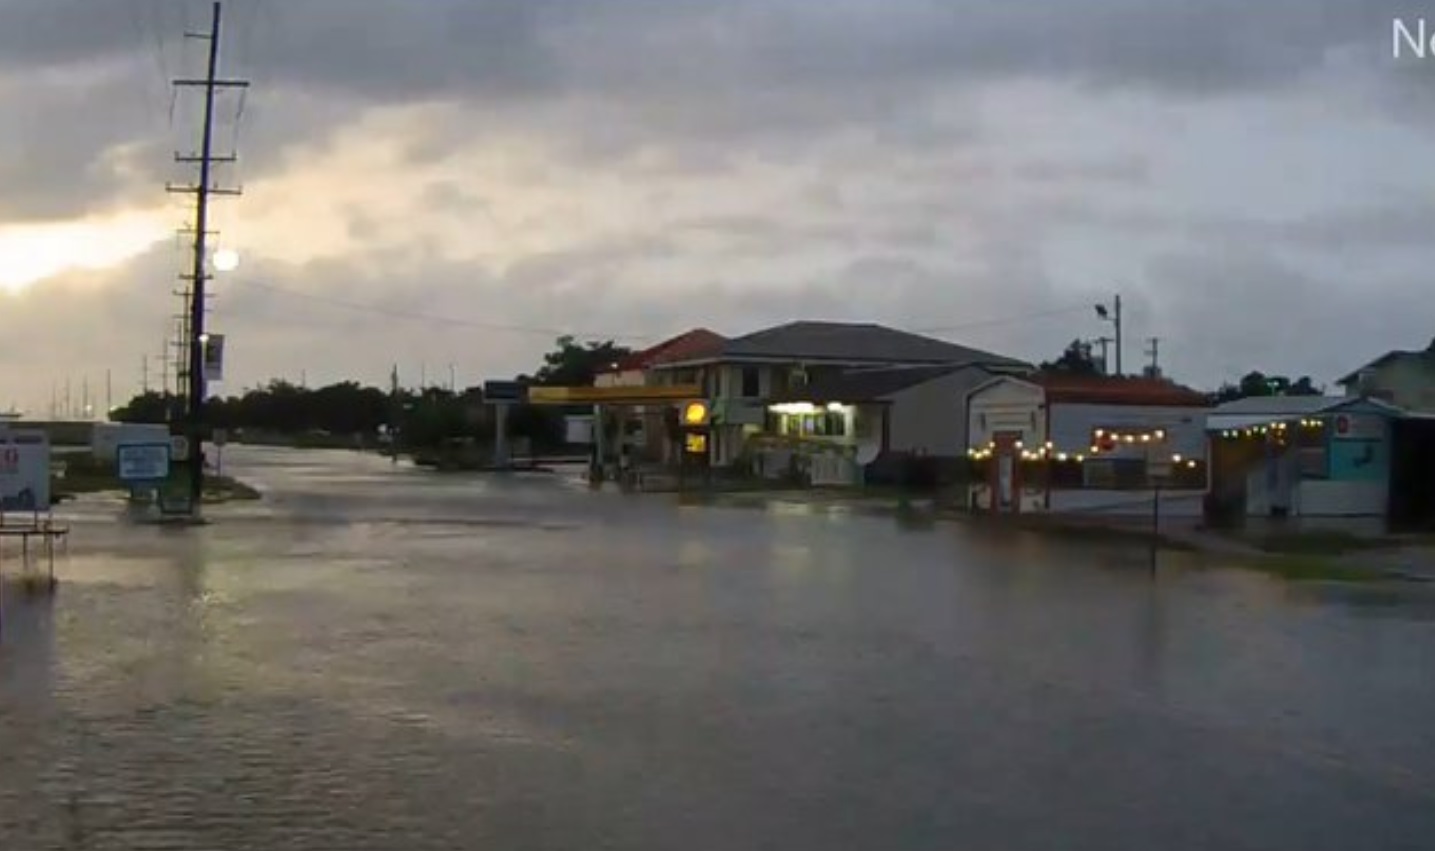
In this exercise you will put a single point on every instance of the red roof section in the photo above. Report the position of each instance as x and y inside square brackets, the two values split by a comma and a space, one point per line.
[1114, 390]
[689, 345]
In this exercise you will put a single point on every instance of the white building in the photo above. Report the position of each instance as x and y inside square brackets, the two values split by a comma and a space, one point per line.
[1066, 443]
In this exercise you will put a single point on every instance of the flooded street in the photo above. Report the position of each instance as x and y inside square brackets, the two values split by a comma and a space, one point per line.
[379, 658]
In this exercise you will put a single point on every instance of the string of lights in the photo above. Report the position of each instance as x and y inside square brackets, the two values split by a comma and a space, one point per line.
[1278, 430]
[1104, 441]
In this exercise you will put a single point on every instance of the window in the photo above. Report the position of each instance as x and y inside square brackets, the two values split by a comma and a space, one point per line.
[751, 383]
[824, 424]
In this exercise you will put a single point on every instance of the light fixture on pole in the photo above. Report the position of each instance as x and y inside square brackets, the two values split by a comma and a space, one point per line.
[226, 260]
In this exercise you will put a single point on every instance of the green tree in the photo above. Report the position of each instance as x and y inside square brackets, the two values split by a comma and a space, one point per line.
[1257, 383]
[148, 407]
[576, 365]
[1077, 359]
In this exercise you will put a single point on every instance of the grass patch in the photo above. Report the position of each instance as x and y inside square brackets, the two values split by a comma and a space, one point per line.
[86, 476]
[226, 488]
[1087, 531]
[1316, 543]
[1311, 569]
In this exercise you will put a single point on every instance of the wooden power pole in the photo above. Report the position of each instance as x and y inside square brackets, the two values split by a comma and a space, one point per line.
[203, 190]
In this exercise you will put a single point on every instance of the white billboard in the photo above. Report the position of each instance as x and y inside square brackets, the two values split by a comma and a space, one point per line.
[578, 429]
[24, 471]
[110, 436]
[143, 462]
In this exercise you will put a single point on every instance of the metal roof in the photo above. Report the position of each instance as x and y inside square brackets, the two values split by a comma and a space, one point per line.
[851, 343]
[1282, 405]
[1263, 410]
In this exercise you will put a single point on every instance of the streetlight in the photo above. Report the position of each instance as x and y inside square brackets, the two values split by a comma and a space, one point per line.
[226, 260]
[1113, 316]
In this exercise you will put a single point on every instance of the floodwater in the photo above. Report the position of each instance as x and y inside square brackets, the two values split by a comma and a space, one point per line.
[378, 658]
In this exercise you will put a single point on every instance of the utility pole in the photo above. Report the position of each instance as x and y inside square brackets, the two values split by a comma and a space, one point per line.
[109, 394]
[396, 414]
[1153, 351]
[1114, 317]
[164, 357]
[203, 190]
[1104, 342]
[144, 374]
[1117, 322]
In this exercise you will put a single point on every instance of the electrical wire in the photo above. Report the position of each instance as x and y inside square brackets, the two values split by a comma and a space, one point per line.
[393, 313]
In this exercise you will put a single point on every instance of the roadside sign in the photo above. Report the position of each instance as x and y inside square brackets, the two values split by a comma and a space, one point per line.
[213, 357]
[504, 391]
[179, 448]
[24, 471]
[220, 437]
[141, 463]
[1158, 463]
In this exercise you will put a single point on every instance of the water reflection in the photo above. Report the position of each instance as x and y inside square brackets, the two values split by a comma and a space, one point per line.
[1150, 641]
[381, 659]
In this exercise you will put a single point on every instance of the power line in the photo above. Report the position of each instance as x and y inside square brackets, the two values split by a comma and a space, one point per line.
[462, 322]
[394, 313]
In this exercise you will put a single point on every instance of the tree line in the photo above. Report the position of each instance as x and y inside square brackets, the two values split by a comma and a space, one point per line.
[1078, 359]
[350, 413]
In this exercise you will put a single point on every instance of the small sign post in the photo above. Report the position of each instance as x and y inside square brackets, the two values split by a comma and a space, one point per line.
[1158, 469]
[220, 438]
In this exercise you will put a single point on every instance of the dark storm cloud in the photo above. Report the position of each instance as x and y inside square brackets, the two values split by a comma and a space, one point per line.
[72, 148]
[385, 50]
[604, 79]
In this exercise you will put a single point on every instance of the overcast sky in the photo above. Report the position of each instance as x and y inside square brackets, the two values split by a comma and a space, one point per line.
[436, 182]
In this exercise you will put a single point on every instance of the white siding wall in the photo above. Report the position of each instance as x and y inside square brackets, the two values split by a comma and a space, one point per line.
[1407, 382]
[932, 417]
[1072, 426]
[627, 378]
[1006, 405]
[1338, 499]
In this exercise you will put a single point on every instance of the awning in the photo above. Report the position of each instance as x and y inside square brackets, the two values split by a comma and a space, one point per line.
[638, 395]
[1236, 422]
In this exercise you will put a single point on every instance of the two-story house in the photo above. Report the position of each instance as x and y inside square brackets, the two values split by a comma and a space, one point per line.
[743, 375]
[1401, 378]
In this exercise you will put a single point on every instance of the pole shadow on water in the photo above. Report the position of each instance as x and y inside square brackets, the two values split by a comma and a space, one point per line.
[1151, 641]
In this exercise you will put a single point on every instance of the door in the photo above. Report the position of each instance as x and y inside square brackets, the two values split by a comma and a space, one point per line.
[1006, 473]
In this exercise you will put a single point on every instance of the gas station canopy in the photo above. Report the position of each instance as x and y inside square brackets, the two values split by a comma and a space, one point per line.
[613, 395]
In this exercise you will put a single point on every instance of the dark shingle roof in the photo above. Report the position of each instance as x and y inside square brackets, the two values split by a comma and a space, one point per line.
[846, 342]
[869, 385]
[1118, 390]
